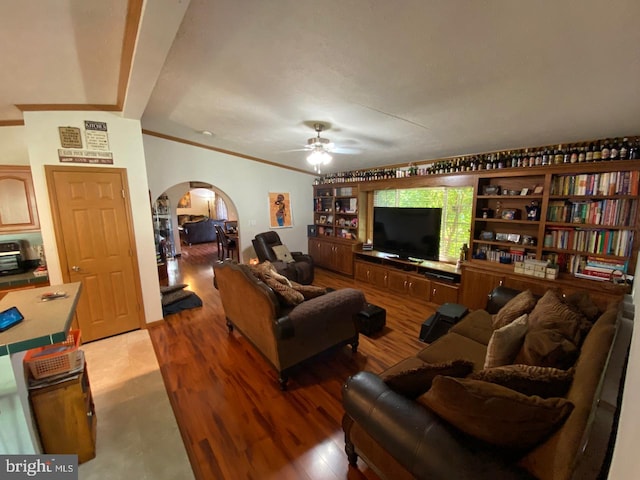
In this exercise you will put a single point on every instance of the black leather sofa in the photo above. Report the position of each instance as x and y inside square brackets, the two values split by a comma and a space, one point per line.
[199, 232]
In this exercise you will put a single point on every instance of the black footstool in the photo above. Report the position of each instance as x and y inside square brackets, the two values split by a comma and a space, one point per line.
[371, 319]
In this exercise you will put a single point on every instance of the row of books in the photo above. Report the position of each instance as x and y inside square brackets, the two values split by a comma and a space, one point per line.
[614, 212]
[597, 268]
[588, 266]
[604, 242]
[606, 183]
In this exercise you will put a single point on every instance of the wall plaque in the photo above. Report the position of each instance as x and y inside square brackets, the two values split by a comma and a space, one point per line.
[70, 137]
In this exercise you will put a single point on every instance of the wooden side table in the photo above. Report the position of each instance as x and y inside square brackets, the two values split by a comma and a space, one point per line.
[66, 417]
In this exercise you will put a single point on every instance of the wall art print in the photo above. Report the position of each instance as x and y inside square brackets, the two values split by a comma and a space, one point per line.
[280, 210]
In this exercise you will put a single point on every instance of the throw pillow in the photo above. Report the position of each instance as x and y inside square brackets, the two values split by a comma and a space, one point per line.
[165, 289]
[581, 301]
[283, 254]
[527, 379]
[552, 313]
[266, 269]
[286, 293]
[309, 291]
[266, 272]
[505, 343]
[514, 308]
[496, 414]
[546, 347]
[414, 382]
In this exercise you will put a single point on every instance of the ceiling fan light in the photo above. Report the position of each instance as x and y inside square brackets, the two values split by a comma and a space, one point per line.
[319, 157]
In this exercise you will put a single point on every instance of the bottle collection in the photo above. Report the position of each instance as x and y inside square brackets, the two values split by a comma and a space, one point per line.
[623, 148]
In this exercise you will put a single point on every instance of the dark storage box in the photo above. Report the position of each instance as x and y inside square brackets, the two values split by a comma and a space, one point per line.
[371, 319]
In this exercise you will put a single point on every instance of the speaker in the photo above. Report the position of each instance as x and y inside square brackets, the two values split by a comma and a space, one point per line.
[312, 231]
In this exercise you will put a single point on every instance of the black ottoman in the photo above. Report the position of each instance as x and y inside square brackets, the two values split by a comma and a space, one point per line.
[371, 319]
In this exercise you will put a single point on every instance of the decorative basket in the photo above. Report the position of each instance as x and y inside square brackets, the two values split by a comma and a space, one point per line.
[54, 359]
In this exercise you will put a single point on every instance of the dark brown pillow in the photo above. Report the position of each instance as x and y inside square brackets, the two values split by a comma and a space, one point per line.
[414, 382]
[495, 414]
[582, 302]
[552, 313]
[546, 347]
[529, 380]
[514, 308]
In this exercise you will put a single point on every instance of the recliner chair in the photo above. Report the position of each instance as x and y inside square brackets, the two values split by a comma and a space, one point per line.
[299, 270]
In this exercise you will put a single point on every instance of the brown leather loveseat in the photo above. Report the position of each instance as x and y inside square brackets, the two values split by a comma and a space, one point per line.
[286, 334]
[399, 429]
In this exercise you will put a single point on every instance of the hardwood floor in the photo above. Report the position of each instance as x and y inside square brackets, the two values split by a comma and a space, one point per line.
[234, 419]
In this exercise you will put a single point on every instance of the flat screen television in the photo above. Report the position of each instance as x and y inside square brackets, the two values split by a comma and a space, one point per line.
[409, 233]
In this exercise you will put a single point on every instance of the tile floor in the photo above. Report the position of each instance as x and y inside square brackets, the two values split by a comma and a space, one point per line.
[137, 435]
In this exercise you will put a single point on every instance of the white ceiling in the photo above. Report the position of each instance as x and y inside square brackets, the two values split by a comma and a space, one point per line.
[397, 81]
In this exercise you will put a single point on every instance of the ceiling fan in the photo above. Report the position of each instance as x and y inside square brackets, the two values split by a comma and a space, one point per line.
[319, 149]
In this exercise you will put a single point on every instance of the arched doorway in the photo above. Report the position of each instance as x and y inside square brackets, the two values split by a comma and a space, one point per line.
[189, 201]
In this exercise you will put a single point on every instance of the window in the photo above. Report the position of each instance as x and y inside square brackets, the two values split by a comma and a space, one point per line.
[456, 204]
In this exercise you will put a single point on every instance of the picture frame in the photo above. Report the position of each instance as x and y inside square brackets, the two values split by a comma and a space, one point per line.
[280, 210]
[510, 214]
[524, 191]
[322, 219]
[537, 190]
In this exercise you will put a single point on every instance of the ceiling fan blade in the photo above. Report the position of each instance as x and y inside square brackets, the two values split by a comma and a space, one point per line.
[346, 150]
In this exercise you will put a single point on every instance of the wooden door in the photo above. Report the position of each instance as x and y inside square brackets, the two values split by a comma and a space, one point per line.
[398, 282]
[419, 288]
[96, 247]
[344, 259]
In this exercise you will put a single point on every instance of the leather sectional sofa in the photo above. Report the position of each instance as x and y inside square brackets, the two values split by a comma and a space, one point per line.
[285, 329]
[398, 433]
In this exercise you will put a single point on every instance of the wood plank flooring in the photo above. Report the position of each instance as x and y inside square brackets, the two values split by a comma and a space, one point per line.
[234, 420]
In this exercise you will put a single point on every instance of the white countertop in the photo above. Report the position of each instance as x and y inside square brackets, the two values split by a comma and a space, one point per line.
[45, 322]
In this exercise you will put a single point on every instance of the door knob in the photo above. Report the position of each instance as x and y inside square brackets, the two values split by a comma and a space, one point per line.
[75, 268]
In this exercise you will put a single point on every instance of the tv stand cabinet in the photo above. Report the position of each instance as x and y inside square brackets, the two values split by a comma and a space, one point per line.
[434, 282]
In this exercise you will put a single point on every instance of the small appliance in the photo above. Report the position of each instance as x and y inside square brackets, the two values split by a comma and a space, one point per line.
[10, 258]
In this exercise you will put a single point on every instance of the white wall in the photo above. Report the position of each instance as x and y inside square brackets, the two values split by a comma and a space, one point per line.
[13, 149]
[246, 183]
[125, 141]
[625, 464]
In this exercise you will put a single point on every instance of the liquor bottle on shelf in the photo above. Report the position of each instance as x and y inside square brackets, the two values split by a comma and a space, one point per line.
[615, 150]
[624, 149]
[606, 150]
[582, 154]
[557, 155]
[589, 152]
[634, 150]
[597, 152]
[573, 158]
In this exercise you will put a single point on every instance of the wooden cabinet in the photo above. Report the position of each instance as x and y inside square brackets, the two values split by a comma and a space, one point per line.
[443, 293]
[406, 278]
[479, 278]
[332, 253]
[66, 419]
[370, 273]
[476, 286]
[411, 284]
[18, 210]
